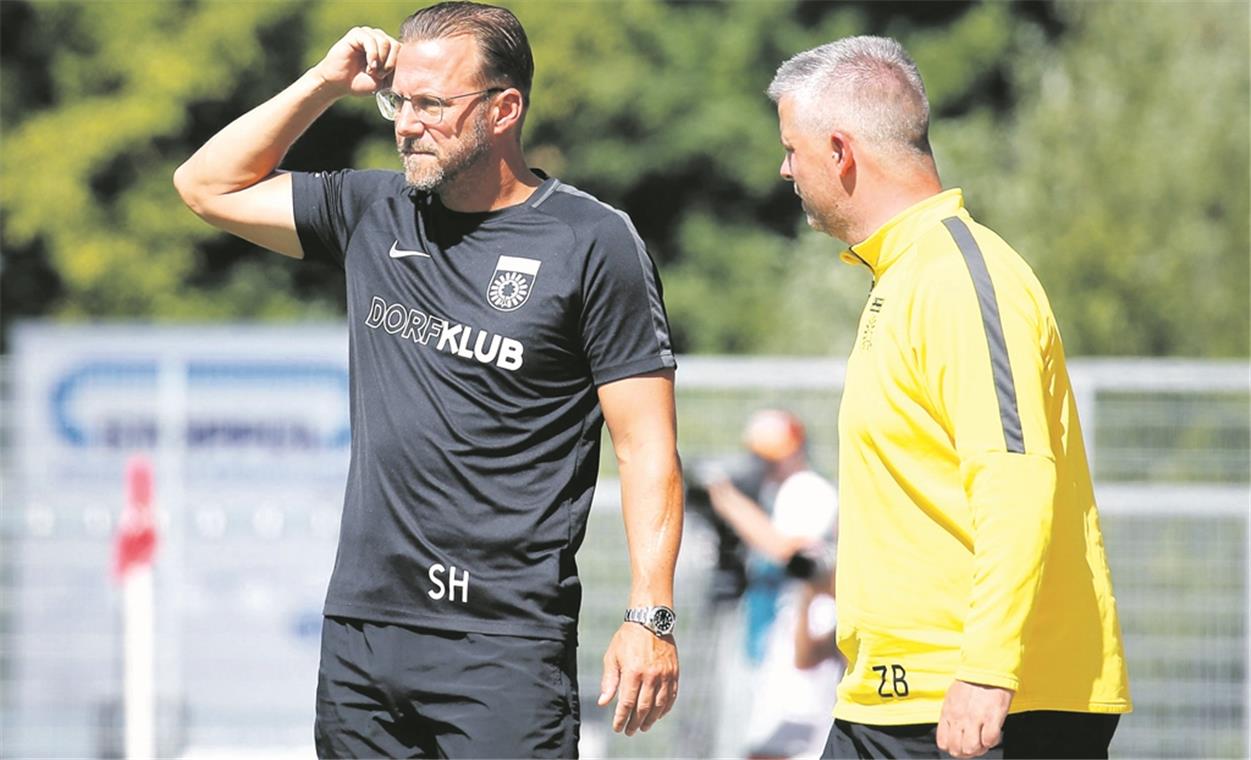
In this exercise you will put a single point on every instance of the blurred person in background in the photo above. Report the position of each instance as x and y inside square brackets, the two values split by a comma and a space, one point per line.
[497, 318]
[814, 644]
[790, 532]
[975, 602]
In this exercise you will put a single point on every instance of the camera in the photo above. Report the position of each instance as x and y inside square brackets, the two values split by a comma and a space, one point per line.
[814, 564]
[747, 473]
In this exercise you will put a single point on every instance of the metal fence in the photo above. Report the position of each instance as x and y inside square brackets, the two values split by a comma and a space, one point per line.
[241, 579]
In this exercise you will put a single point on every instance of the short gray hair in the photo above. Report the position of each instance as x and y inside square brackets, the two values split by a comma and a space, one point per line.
[869, 86]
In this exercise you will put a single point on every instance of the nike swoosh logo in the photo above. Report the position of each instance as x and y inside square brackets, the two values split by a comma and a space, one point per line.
[399, 253]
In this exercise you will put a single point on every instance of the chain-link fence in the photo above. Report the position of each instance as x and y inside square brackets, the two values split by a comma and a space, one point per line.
[249, 534]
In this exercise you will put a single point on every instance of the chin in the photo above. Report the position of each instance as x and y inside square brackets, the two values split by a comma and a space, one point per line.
[820, 223]
[422, 178]
[424, 181]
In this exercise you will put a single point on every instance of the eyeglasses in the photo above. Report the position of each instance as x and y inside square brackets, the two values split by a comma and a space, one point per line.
[428, 108]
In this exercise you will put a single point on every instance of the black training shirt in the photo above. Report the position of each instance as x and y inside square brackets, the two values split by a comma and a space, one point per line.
[476, 345]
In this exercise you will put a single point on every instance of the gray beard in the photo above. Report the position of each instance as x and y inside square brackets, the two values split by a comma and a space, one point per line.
[429, 179]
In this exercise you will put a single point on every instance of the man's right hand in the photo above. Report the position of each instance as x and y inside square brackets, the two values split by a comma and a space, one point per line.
[360, 62]
[972, 717]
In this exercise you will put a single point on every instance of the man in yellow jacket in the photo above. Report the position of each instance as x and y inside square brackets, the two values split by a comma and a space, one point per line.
[975, 604]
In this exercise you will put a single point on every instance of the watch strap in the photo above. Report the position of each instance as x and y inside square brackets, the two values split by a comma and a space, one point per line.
[645, 616]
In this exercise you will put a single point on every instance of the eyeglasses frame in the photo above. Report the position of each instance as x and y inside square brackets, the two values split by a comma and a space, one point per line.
[443, 102]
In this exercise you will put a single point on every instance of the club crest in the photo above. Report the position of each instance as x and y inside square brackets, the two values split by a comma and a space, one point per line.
[512, 282]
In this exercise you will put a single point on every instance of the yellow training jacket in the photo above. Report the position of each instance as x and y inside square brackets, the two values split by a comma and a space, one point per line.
[969, 541]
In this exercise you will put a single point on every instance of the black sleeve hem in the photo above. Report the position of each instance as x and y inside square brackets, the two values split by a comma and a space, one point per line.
[634, 368]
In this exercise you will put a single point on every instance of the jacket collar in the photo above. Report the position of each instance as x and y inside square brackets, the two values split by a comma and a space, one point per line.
[883, 247]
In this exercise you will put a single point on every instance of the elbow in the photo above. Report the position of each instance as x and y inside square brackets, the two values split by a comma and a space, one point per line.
[655, 462]
[188, 189]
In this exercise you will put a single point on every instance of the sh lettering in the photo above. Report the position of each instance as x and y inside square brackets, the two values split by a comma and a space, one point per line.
[456, 580]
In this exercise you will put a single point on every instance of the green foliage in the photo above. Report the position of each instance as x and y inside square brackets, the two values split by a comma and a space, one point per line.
[87, 179]
[1107, 141]
[1122, 176]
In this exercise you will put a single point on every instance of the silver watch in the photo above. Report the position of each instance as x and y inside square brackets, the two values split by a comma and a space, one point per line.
[659, 620]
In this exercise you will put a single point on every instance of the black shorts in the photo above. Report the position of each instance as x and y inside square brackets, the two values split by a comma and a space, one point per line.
[394, 691]
[1032, 734]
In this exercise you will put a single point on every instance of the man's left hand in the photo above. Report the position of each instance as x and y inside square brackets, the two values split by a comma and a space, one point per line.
[972, 718]
[641, 669]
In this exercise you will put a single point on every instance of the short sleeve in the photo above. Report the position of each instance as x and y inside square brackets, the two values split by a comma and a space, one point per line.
[625, 330]
[329, 205]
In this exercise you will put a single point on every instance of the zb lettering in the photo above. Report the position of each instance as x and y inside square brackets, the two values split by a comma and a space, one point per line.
[894, 678]
[456, 581]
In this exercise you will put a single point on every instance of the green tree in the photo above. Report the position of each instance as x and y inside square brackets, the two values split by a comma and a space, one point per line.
[1122, 175]
[128, 86]
[1047, 113]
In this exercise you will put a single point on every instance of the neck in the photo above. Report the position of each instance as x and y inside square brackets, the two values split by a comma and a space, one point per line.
[882, 201]
[499, 180]
[787, 467]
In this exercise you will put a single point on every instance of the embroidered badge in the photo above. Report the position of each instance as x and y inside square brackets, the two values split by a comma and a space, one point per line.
[512, 282]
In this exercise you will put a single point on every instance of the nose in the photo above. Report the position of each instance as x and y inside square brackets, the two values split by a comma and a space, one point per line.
[785, 169]
[406, 122]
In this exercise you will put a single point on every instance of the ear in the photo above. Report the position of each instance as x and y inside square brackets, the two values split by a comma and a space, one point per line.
[842, 152]
[509, 106]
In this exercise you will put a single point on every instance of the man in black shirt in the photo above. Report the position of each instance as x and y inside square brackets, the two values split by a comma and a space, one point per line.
[497, 318]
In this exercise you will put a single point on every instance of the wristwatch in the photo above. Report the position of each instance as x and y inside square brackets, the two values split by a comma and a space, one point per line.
[659, 620]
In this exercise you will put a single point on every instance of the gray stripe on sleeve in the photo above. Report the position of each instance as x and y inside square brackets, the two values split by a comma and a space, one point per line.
[1009, 414]
[660, 325]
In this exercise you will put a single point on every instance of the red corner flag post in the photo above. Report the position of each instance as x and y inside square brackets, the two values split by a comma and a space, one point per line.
[136, 534]
[132, 567]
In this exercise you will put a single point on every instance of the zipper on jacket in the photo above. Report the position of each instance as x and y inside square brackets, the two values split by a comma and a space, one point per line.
[872, 274]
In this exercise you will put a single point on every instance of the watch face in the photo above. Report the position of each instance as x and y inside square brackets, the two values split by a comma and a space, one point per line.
[663, 620]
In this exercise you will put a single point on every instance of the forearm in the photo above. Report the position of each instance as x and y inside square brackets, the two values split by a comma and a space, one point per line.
[751, 524]
[651, 504]
[813, 649]
[639, 666]
[811, 652]
[251, 147]
[806, 654]
[1011, 498]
